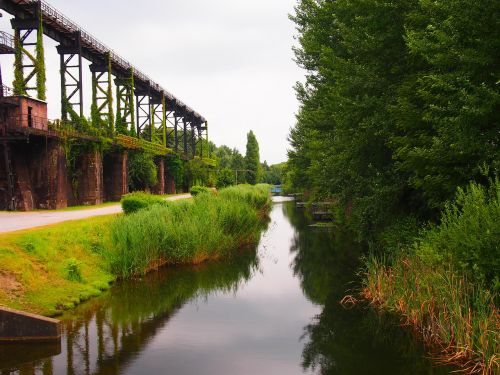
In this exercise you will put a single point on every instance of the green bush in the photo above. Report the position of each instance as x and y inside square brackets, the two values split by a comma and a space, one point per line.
[208, 227]
[141, 171]
[134, 202]
[225, 178]
[73, 270]
[195, 190]
[468, 236]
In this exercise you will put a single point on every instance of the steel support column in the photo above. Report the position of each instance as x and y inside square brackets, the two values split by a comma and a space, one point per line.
[193, 139]
[184, 136]
[102, 95]
[125, 105]
[143, 117]
[171, 127]
[71, 77]
[158, 121]
[29, 76]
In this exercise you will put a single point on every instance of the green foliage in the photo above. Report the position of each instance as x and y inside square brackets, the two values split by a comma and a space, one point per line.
[197, 190]
[468, 236]
[121, 125]
[273, 174]
[18, 85]
[198, 173]
[207, 227]
[400, 105]
[74, 149]
[225, 178]
[450, 313]
[142, 171]
[175, 168]
[252, 160]
[73, 271]
[111, 116]
[40, 64]
[139, 200]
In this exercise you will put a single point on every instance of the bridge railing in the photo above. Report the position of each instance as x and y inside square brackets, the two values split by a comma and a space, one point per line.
[6, 39]
[6, 91]
[24, 121]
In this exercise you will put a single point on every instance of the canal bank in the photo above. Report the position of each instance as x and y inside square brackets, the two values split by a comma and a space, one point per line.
[273, 310]
[50, 270]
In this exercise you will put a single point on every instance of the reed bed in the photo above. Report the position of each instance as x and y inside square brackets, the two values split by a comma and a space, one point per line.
[446, 284]
[455, 317]
[210, 226]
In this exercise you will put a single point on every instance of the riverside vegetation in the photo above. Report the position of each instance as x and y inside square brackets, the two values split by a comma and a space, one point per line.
[52, 269]
[399, 126]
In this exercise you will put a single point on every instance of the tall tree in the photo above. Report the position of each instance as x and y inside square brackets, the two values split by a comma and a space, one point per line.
[252, 159]
[400, 105]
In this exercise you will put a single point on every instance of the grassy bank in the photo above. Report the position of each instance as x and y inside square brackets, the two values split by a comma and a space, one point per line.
[52, 269]
[444, 281]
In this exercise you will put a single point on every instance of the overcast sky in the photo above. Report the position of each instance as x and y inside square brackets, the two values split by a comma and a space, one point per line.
[230, 60]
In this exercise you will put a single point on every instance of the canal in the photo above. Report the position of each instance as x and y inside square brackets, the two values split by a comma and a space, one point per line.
[274, 309]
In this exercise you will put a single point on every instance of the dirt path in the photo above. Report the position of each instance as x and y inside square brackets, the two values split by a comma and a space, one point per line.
[12, 221]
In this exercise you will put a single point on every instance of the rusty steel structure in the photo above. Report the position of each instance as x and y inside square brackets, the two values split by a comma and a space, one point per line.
[76, 43]
[136, 114]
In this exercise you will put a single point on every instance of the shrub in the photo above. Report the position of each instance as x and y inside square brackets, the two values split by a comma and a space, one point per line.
[134, 202]
[225, 178]
[468, 236]
[73, 270]
[195, 190]
[141, 171]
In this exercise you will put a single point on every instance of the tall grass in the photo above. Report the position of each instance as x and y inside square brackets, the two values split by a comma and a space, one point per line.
[210, 226]
[445, 285]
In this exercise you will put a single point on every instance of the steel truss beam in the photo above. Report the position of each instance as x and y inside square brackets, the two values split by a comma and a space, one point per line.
[193, 138]
[184, 136]
[29, 55]
[125, 105]
[102, 95]
[71, 77]
[159, 120]
[143, 117]
[171, 128]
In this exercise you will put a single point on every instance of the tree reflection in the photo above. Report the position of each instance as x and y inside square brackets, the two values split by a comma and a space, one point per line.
[104, 335]
[340, 341]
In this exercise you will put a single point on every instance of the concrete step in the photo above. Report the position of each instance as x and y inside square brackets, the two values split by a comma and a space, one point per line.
[19, 326]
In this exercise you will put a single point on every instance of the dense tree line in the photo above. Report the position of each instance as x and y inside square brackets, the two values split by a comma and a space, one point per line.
[400, 106]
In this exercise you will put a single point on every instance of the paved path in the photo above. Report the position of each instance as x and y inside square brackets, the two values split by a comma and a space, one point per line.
[12, 221]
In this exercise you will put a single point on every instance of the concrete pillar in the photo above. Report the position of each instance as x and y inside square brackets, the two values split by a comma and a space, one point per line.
[55, 179]
[115, 173]
[90, 181]
[23, 188]
[40, 174]
[160, 168]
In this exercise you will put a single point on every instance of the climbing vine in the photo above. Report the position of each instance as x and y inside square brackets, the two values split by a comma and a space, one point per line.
[164, 119]
[19, 84]
[111, 118]
[40, 63]
[131, 104]
[95, 118]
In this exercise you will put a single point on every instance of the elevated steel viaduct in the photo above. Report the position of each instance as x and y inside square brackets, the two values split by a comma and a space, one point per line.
[128, 110]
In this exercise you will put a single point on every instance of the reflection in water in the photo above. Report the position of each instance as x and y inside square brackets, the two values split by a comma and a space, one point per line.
[103, 335]
[341, 341]
[270, 310]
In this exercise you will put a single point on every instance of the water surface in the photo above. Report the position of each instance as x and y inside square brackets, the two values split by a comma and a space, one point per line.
[273, 309]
